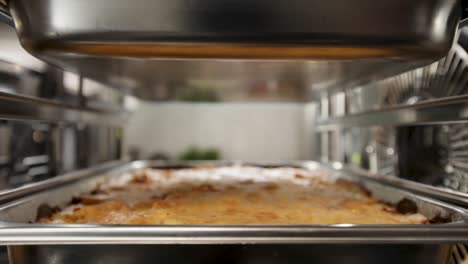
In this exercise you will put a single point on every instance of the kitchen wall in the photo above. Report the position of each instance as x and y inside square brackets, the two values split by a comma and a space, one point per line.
[241, 131]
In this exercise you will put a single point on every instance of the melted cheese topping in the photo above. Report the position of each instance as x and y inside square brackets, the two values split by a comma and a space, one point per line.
[230, 195]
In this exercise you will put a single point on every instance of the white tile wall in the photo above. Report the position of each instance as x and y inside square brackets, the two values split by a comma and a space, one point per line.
[242, 131]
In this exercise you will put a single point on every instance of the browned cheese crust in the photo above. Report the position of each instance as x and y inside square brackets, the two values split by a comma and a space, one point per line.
[230, 195]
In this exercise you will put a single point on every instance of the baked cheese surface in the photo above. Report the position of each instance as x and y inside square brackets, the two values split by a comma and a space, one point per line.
[231, 195]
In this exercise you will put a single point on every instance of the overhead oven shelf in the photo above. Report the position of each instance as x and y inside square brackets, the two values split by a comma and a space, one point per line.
[447, 110]
[19, 107]
[150, 46]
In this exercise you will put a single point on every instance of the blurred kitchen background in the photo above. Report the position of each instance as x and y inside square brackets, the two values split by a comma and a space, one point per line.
[271, 131]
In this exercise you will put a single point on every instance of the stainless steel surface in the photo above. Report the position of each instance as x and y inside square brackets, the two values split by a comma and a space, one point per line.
[444, 78]
[22, 74]
[261, 29]
[19, 211]
[440, 193]
[32, 243]
[411, 126]
[18, 107]
[428, 159]
[247, 253]
[32, 151]
[103, 41]
[8, 195]
[55, 96]
[432, 94]
[49, 126]
[229, 80]
[449, 110]
[12, 51]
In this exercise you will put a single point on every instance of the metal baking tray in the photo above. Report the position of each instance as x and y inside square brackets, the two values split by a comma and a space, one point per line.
[152, 48]
[39, 243]
[239, 29]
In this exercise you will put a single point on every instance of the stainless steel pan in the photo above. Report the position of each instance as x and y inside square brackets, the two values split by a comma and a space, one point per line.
[36, 243]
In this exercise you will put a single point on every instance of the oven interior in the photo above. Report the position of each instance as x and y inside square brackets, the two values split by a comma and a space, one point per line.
[89, 84]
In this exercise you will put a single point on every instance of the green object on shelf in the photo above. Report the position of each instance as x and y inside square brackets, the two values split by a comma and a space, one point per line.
[200, 95]
[195, 153]
[356, 158]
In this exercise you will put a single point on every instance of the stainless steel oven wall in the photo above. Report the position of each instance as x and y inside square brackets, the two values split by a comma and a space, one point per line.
[52, 121]
[412, 126]
[410, 130]
[46, 130]
[33, 151]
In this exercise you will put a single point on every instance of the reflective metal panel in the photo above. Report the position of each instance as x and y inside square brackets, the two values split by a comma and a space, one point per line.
[447, 77]
[297, 29]
[138, 45]
[27, 108]
[34, 151]
[434, 112]
[232, 254]
[229, 80]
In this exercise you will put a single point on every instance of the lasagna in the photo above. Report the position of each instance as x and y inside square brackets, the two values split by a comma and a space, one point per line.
[230, 195]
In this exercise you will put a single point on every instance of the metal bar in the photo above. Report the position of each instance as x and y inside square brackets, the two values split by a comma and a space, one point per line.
[27, 189]
[443, 194]
[447, 110]
[19, 107]
[223, 235]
